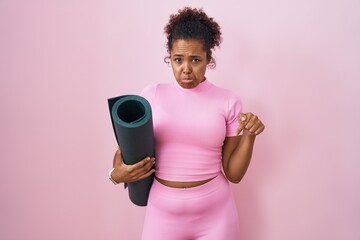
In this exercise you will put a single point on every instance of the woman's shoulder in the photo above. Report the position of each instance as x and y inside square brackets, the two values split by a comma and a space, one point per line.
[150, 90]
[230, 100]
[224, 92]
[155, 86]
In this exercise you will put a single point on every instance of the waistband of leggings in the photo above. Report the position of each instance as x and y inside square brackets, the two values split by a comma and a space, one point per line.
[218, 182]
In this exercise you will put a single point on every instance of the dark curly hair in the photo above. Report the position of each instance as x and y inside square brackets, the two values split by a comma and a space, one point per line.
[193, 23]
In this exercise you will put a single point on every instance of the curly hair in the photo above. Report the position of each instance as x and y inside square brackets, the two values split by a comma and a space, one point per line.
[193, 23]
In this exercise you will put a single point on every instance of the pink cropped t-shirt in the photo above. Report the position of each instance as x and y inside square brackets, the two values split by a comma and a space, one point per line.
[190, 126]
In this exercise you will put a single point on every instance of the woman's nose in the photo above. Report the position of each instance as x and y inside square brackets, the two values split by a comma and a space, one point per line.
[186, 68]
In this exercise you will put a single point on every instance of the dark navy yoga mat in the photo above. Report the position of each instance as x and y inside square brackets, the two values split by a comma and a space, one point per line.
[133, 127]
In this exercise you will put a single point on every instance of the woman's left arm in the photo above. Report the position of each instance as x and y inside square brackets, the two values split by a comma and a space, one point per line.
[237, 151]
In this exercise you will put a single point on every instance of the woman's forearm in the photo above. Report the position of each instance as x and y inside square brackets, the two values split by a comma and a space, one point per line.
[240, 158]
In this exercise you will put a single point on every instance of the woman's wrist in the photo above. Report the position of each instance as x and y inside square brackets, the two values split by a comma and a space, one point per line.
[111, 176]
[248, 135]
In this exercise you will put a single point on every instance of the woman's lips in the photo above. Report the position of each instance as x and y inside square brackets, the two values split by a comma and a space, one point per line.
[186, 80]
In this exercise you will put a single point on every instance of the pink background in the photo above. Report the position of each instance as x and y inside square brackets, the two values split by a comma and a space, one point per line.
[294, 63]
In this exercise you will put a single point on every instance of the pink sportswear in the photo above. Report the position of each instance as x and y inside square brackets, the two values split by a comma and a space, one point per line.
[205, 212]
[190, 126]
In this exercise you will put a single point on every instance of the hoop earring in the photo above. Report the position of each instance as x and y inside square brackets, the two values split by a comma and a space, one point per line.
[211, 64]
[167, 60]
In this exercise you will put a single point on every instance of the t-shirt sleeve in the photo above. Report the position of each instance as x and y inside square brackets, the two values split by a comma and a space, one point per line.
[234, 109]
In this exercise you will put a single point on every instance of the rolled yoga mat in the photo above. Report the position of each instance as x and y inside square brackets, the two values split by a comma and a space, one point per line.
[133, 127]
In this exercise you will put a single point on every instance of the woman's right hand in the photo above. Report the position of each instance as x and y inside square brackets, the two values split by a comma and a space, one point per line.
[131, 173]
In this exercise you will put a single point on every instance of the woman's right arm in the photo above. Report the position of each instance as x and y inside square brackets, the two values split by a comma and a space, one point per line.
[130, 173]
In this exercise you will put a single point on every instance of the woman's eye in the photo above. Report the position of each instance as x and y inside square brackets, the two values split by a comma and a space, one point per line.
[195, 60]
[177, 60]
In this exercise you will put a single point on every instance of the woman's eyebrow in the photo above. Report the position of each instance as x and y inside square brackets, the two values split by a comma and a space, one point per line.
[191, 56]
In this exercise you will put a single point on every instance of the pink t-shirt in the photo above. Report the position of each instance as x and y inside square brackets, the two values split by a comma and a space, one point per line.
[190, 126]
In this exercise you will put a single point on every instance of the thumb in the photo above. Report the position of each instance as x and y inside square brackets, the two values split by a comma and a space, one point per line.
[117, 158]
[242, 119]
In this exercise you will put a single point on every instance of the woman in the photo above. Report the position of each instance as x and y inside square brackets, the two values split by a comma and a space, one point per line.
[199, 128]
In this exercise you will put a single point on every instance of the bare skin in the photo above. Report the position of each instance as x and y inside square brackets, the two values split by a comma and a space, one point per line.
[131, 173]
[189, 61]
[237, 151]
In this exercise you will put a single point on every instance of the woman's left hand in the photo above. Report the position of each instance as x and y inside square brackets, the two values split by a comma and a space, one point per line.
[249, 124]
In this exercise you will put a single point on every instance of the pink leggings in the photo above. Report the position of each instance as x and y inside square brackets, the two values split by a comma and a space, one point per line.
[204, 212]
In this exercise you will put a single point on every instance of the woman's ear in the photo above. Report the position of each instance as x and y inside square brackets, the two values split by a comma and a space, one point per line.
[209, 56]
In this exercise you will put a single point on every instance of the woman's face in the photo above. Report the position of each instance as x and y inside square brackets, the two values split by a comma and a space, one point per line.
[188, 61]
